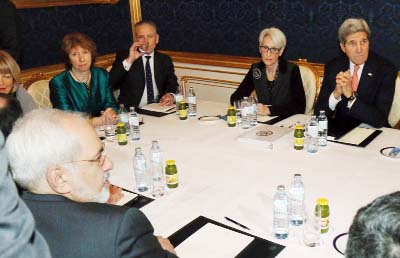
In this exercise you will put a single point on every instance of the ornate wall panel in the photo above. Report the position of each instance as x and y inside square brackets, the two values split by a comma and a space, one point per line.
[44, 28]
[232, 26]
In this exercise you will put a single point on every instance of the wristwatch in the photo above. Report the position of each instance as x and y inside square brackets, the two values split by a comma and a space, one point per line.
[353, 96]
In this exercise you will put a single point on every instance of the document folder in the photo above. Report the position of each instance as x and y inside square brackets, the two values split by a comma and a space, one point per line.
[258, 248]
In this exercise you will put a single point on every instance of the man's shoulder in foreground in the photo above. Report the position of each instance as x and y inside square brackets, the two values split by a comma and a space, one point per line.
[92, 230]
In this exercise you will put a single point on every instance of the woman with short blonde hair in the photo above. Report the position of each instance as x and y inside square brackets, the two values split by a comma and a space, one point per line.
[10, 82]
[276, 82]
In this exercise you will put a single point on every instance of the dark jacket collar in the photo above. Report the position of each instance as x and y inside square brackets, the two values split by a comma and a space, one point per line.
[26, 195]
[282, 65]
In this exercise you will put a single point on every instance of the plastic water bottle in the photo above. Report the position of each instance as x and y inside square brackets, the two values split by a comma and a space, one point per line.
[253, 114]
[192, 102]
[134, 125]
[246, 113]
[157, 170]
[281, 214]
[123, 116]
[140, 167]
[178, 98]
[312, 135]
[296, 203]
[322, 128]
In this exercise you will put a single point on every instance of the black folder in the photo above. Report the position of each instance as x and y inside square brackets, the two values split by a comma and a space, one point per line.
[153, 113]
[137, 202]
[274, 120]
[338, 128]
[258, 248]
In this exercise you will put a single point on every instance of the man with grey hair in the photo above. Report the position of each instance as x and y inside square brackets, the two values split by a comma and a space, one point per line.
[63, 167]
[19, 239]
[142, 74]
[375, 231]
[358, 85]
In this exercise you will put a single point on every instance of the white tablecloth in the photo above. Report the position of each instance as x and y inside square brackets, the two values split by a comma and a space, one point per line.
[220, 176]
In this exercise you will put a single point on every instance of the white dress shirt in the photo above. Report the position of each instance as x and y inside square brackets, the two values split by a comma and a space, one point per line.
[333, 101]
[127, 66]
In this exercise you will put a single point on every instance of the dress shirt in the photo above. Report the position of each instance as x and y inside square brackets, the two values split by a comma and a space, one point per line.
[127, 66]
[333, 101]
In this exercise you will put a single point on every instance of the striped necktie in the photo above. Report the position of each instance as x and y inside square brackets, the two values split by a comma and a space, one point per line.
[354, 79]
[149, 81]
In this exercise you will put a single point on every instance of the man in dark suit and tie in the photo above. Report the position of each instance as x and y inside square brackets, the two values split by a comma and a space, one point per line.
[142, 74]
[64, 170]
[358, 86]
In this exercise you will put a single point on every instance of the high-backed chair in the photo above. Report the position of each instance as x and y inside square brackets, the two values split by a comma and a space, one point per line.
[38, 87]
[310, 81]
[394, 115]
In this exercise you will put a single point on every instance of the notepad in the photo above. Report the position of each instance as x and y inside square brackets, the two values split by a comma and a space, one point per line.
[264, 135]
[357, 135]
[215, 241]
[158, 108]
[127, 197]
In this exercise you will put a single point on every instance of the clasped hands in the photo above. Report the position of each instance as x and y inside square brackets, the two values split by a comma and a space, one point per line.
[343, 85]
[107, 116]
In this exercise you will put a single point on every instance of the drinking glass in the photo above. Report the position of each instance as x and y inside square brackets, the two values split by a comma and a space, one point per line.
[238, 107]
[109, 132]
[312, 228]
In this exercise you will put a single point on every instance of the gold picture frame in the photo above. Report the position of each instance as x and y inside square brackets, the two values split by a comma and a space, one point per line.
[136, 13]
[22, 4]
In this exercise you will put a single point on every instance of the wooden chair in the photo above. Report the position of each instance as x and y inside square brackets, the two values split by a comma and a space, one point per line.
[394, 114]
[38, 87]
[309, 76]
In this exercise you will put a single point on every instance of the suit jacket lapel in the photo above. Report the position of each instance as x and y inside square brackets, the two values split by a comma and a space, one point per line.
[157, 71]
[138, 79]
[366, 76]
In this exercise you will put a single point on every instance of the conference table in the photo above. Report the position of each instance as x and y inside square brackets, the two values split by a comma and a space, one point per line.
[222, 177]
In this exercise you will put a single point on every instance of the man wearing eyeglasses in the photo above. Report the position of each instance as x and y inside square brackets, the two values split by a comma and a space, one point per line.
[142, 74]
[358, 86]
[59, 160]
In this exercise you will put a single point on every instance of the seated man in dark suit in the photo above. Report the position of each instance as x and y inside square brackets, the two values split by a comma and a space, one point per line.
[375, 231]
[142, 74]
[58, 158]
[358, 86]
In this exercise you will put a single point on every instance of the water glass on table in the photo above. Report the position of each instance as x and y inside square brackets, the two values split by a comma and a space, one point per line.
[109, 132]
[312, 228]
[238, 107]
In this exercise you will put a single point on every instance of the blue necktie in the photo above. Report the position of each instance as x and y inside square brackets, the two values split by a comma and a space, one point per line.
[149, 82]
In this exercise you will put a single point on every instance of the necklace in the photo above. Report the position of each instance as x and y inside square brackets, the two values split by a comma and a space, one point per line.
[85, 82]
[275, 76]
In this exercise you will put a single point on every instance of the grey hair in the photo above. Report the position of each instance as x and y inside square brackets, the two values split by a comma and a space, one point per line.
[352, 25]
[375, 231]
[38, 141]
[277, 37]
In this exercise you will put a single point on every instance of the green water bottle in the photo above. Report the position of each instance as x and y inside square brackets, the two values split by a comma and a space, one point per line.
[171, 174]
[122, 138]
[231, 116]
[322, 208]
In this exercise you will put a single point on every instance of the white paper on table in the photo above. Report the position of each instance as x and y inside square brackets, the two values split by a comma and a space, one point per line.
[127, 197]
[158, 108]
[264, 119]
[357, 135]
[212, 240]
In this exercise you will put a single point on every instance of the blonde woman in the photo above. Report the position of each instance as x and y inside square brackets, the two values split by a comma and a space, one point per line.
[9, 82]
[277, 82]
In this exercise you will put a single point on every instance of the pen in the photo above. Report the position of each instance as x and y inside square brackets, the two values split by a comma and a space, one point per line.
[237, 223]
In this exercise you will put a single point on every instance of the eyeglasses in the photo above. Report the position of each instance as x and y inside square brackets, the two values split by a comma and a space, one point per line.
[100, 160]
[267, 49]
[354, 44]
